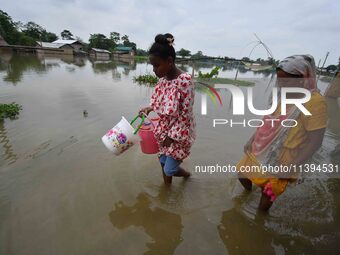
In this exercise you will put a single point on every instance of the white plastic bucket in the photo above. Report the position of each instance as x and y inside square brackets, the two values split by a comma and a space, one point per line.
[122, 136]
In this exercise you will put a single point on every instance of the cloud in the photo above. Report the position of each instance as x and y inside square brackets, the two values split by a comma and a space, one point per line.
[216, 27]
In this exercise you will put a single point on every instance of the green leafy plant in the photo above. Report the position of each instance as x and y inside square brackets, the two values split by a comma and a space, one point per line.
[146, 79]
[9, 110]
[213, 73]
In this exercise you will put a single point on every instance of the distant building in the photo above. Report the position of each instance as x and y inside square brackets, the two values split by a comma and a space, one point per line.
[76, 45]
[3, 42]
[99, 53]
[54, 45]
[55, 48]
[123, 52]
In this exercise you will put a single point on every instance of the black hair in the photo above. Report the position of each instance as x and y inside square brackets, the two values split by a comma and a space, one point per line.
[162, 47]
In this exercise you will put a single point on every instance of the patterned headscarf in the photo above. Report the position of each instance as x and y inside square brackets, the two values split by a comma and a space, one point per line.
[268, 140]
[301, 65]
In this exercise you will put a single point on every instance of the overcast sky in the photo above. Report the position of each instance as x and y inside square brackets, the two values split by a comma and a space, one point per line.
[216, 27]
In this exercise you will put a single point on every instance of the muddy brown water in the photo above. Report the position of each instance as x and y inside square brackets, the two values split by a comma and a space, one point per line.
[62, 192]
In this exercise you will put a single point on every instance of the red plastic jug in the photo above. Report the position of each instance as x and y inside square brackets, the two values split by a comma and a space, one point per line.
[148, 143]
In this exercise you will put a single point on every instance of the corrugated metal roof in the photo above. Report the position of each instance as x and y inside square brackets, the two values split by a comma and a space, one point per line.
[123, 48]
[101, 50]
[66, 41]
[51, 45]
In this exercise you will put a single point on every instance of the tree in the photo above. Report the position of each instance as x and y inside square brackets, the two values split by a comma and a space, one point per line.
[8, 29]
[246, 59]
[125, 38]
[66, 35]
[49, 37]
[271, 61]
[331, 68]
[183, 53]
[115, 37]
[100, 41]
[128, 43]
[33, 30]
[198, 54]
[23, 34]
[38, 33]
[141, 52]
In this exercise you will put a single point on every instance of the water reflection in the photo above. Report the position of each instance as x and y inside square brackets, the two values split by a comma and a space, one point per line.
[10, 156]
[128, 65]
[72, 60]
[16, 65]
[244, 236]
[163, 227]
[103, 66]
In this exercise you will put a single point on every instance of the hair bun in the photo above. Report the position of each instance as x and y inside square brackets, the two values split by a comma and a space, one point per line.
[165, 39]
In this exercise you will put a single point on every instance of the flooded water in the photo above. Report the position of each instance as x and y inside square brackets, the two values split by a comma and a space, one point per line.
[62, 192]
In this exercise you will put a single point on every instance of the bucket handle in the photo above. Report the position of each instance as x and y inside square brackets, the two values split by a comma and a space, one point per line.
[146, 116]
[140, 124]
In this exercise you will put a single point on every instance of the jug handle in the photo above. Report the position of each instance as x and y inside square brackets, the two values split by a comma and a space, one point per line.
[140, 124]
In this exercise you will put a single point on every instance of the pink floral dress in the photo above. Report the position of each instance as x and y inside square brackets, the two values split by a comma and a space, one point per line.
[173, 102]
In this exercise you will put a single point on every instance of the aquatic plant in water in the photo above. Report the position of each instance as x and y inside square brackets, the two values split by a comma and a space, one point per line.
[9, 110]
[213, 73]
[149, 79]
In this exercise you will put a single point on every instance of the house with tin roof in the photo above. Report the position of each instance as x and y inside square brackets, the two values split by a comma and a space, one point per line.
[54, 45]
[99, 53]
[75, 44]
[123, 52]
[54, 48]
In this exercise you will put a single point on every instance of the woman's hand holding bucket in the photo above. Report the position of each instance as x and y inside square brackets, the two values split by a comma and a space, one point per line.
[145, 111]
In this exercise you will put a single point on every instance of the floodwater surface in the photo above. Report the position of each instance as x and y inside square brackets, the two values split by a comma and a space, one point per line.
[63, 192]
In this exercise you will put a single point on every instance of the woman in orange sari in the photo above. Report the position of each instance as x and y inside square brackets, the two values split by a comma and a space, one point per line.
[277, 145]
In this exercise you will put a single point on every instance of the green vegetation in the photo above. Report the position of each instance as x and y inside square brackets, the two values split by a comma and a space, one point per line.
[183, 53]
[66, 35]
[213, 73]
[126, 42]
[9, 110]
[151, 80]
[100, 41]
[146, 79]
[23, 34]
[18, 33]
[211, 78]
[141, 52]
[141, 57]
[332, 68]
[198, 54]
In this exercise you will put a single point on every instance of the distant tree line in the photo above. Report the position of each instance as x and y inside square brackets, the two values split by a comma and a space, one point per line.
[23, 34]
[110, 43]
[18, 33]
